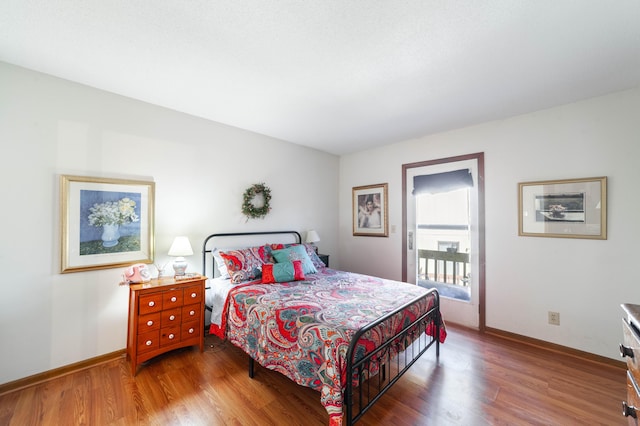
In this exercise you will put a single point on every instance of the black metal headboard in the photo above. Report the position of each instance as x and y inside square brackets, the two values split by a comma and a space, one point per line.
[206, 249]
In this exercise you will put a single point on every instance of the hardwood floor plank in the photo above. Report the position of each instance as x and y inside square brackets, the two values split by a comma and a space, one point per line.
[478, 380]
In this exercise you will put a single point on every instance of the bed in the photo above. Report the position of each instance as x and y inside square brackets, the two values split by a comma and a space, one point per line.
[349, 336]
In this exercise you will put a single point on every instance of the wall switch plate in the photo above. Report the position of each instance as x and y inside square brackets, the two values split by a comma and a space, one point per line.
[554, 318]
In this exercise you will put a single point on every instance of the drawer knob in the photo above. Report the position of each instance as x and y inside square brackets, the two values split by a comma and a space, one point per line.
[193, 295]
[191, 330]
[149, 323]
[625, 351]
[173, 299]
[152, 303]
[171, 336]
[172, 317]
[148, 343]
[192, 313]
[628, 410]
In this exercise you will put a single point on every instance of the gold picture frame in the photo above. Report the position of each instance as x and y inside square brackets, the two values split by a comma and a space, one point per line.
[570, 208]
[370, 211]
[105, 223]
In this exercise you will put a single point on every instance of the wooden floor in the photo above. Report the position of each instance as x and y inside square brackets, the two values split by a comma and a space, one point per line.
[478, 380]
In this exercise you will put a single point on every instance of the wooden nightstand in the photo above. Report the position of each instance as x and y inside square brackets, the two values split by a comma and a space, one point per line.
[164, 315]
[324, 258]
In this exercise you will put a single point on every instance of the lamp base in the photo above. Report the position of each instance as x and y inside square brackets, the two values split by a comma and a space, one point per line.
[179, 266]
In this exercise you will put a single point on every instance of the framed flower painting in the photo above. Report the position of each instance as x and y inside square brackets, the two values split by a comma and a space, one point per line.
[106, 223]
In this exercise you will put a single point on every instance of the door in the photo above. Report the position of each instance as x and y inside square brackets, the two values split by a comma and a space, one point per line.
[465, 311]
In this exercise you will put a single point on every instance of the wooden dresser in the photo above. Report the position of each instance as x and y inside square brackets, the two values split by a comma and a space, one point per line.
[164, 314]
[630, 350]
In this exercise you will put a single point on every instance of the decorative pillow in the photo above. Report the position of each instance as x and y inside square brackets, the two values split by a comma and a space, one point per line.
[315, 259]
[243, 264]
[265, 252]
[267, 256]
[220, 264]
[282, 272]
[297, 252]
[311, 252]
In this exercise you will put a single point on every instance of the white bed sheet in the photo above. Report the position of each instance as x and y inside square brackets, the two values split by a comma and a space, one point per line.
[218, 289]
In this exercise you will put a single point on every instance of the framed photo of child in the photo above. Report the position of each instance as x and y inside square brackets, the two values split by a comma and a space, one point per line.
[370, 211]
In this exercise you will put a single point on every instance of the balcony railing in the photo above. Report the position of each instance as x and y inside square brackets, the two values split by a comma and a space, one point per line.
[444, 266]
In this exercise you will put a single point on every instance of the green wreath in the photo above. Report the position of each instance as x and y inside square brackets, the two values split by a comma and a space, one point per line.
[249, 209]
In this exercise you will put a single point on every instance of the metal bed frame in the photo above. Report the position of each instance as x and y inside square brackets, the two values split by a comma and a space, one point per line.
[394, 356]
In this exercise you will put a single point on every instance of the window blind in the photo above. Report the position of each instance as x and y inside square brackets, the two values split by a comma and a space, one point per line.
[442, 182]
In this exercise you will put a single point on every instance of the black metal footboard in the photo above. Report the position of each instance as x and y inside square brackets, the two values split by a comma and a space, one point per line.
[391, 359]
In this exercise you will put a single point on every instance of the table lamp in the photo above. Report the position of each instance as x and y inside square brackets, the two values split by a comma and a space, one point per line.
[312, 237]
[181, 247]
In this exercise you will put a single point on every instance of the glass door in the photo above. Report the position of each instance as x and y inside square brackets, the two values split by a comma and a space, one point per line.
[444, 239]
[443, 243]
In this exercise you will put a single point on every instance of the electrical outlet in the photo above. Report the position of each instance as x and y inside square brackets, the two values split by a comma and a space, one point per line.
[554, 318]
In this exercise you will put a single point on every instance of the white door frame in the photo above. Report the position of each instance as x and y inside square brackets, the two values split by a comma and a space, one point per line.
[407, 170]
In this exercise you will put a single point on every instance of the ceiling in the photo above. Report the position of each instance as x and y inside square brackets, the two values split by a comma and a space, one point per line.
[337, 75]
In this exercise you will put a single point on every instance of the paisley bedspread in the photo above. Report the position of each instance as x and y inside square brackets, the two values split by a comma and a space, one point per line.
[303, 328]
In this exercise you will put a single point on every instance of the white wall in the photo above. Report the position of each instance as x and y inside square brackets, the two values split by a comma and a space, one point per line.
[584, 280]
[50, 127]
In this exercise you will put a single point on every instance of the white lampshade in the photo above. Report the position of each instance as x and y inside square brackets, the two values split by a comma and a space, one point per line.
[312, 237]
[181, 247]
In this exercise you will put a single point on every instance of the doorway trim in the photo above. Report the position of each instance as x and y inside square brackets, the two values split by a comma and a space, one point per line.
[479, 157]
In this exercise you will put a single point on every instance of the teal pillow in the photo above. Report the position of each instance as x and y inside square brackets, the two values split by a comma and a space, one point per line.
[295, 253]
[282, 272]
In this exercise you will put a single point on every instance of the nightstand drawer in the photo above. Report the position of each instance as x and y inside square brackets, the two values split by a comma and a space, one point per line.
[149, 322]
[191, 312]
[171, 317]
[150, 303]
[169, 335]
[172, 298]
[191, 329]
[193, 294]
[149, 341]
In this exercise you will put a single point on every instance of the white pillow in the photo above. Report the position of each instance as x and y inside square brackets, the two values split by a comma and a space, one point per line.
[222, 267]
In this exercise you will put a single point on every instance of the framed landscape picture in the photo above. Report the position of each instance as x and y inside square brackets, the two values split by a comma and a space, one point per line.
[106, 223]
[370, 211]
[571, 208]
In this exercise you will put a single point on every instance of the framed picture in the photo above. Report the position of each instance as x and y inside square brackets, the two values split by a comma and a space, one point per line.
[370, 211]
[572, 208]
[106, 223]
